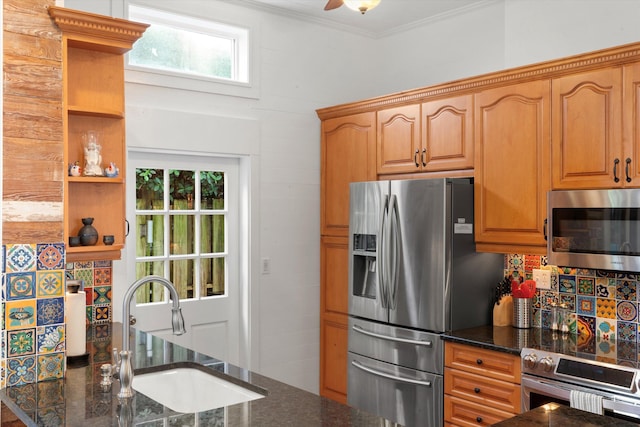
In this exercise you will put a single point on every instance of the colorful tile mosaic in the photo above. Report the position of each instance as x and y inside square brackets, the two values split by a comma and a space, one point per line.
[604, 303]
[32, 300]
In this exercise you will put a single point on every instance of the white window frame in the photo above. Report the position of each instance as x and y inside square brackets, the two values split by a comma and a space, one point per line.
[245, 83]
[232, 190]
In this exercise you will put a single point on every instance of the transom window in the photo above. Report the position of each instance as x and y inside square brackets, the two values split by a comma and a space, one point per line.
[197, 48]
[182, 232]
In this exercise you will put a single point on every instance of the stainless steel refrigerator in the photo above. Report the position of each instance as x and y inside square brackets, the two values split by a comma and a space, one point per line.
[413, 274]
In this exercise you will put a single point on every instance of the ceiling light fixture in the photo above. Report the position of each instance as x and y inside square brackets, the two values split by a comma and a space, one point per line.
[361, 5]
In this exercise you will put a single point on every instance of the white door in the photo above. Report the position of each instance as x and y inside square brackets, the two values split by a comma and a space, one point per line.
[184, 215]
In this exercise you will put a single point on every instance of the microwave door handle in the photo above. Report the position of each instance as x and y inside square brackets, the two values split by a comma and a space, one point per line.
[394, 251]
[389, 376]
[382, 253]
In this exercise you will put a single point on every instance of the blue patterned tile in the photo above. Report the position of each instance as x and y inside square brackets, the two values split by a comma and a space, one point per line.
[50, 338]
[626, 290]
[567, 283]
[20, 258]
[20, 285]
[586, 306]
[50, 283]
[50, 256]
[50, 366]
[103, 264]
[21, 370]
[50, 311]
[627, 331]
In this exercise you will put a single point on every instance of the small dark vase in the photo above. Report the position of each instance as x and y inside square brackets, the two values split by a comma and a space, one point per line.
[88, 233]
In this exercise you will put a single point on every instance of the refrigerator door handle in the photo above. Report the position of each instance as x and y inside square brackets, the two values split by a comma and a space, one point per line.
[382, 254]
[389, 338]
[389, 376]
[394, 252]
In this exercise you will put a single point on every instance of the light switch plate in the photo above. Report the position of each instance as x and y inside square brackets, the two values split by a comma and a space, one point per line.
[542, 278]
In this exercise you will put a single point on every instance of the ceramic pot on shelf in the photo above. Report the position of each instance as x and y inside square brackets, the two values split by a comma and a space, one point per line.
[88, 233]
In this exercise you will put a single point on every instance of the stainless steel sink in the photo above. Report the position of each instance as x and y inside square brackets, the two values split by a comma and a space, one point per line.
[190, 387]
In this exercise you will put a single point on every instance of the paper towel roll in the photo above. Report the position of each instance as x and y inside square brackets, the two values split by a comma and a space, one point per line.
[75, 308]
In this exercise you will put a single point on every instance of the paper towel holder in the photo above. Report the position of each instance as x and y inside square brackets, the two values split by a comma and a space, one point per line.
[81, 360]
[74, 285]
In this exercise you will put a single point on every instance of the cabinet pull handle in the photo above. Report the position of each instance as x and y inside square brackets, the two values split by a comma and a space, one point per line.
[126, 223]
[544, 229]
[423, 157]
[415, 159]
[479, 419]
[615, 170]
[476, 390]
[626, 169]
[479, 361]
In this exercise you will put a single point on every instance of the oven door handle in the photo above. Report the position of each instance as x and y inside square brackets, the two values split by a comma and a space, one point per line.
[563, 391]
[389, 338]
[389, 376]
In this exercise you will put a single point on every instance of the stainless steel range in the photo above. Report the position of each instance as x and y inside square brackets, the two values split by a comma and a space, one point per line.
[553, 377]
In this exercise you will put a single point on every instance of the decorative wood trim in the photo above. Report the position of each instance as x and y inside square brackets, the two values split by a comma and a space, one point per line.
[88, 27]
[583, 62]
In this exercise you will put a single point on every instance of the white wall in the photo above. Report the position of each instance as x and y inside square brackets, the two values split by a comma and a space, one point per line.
[303, 67]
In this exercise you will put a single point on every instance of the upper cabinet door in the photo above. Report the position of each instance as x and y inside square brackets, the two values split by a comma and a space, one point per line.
[586, 147]
[512, 174]
[447, 134]
[631, 126]
[399, 147]
[348, 150]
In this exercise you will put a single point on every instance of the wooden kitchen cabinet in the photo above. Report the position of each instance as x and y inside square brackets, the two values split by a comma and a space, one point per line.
[435, 136]
[481, 386]
[447, 134]
[512, 174]
[348, 154]
[587, 147]
[93, 48]
[399, 146]
[334, 279]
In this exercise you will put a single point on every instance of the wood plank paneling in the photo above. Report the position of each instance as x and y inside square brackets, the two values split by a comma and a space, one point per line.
[33, 166]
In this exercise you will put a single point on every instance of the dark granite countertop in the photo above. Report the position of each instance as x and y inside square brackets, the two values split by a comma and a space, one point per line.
[77, 400]
[512, 340]
[553, 414]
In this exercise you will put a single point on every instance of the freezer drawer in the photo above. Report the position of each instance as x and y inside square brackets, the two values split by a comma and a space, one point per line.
[419, 350]
[405, 396]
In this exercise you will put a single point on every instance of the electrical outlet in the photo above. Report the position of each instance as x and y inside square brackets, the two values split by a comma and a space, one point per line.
[266, 266]
[542, 278]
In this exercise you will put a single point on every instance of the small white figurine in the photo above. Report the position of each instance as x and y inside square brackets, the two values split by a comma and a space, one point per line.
[92, 156]
[111, 171]
[74, 169]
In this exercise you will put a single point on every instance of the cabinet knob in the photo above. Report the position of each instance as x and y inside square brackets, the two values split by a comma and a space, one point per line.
[479, 419]
[476, 390]
[479, 361]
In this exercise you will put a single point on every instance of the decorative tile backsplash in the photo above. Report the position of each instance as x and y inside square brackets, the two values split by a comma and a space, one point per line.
[603, 303]
[32, 299]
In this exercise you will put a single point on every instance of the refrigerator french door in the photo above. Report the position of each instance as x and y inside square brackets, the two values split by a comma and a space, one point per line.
[413, 274]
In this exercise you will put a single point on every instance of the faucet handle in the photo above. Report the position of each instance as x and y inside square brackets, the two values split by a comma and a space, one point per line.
[116, 361]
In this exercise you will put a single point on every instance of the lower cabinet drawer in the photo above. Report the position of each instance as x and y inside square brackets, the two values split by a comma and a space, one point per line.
[463, 413]
[483, 390]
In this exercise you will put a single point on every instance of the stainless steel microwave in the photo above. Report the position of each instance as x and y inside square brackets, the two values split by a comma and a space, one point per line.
[598, 229]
